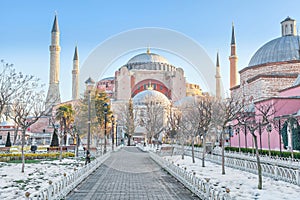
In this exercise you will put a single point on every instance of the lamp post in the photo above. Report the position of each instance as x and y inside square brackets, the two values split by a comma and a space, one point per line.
[245, 128]
[269, 129]
[112, 132]
[105, 109]
[238, 132]
[230, 134]
[89, 87]
[117, 133]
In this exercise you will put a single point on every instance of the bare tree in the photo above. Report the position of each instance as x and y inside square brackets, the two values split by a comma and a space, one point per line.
[253, 117]
[12, 84]
[196, 121]
[225, 111]
[127, 116]
[153, 116]
[27, 107]
[173, 124]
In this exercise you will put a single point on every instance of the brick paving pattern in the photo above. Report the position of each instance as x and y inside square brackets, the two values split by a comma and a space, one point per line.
[130, 174]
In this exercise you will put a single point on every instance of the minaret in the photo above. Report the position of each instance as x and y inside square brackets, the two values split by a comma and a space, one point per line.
[218, 78]
[75, 76]
[233, 62]
[53, 96]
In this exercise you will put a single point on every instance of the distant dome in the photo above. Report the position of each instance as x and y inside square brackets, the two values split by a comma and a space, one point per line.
[148, 58]
[281, 49]
[150, 95]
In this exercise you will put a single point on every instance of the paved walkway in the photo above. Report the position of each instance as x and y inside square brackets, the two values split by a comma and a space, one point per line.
[130, 174]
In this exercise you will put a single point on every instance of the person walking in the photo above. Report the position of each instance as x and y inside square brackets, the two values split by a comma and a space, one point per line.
[88, 157]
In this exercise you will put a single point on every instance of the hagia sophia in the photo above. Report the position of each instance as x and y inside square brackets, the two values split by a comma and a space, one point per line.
[272, 73]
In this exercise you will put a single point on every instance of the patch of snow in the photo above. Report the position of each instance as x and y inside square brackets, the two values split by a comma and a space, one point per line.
[14, 183]
[242, 185]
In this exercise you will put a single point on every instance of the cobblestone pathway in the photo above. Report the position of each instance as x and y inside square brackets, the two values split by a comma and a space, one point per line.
[130, 174]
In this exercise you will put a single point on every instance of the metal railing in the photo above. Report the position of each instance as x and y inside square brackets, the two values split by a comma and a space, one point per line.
[275, 168]
[275, 160]
[60, 189]
[200, 187]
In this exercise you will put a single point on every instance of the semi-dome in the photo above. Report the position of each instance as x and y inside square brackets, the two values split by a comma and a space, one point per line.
[149, 95]
[281, 49]
[148, 58]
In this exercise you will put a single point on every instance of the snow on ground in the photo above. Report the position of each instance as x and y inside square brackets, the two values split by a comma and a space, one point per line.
[14, 184]
[242, 185]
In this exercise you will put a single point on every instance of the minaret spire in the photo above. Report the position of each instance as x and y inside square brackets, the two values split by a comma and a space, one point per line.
[232, 35]
[217, 63]
[218, 78]
[53, 96]
[55, 27]
[75, 76]
[233, 61]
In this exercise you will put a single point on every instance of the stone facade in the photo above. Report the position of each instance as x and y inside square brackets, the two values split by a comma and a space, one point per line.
[193, 90]
[171, 80]
[107, 85]
[264, 81]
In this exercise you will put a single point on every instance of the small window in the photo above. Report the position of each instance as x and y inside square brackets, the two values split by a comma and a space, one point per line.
[145, 86]
[160, 87]
[0, 137]
[154, 86]
[139, 87]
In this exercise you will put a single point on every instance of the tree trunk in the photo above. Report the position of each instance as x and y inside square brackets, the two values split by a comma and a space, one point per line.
[260, 133]
[223, 153]
[60, 146]
[22, 150]
[182, 149]
[77, 144]
[269, 144]
[258, 162]
[204, 150]
[15, 135]
[193, 151]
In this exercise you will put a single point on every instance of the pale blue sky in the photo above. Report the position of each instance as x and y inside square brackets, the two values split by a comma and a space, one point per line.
[25, 28]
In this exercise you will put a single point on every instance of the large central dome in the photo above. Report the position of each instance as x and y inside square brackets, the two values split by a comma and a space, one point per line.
[285, 48]
[149, 61]
[148, 58]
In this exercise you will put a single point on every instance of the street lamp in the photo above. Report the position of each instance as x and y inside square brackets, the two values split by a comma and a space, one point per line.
[269, 129]
[105, 109]
[229, 132]
[89, 87]
[237, 131]
[112, 132]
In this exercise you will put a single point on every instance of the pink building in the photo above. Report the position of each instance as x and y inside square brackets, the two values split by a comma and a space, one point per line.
[272, 76]
[286, 106]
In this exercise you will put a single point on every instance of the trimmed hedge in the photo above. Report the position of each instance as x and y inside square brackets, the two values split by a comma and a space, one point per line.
[4, 157]
[284, 154]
